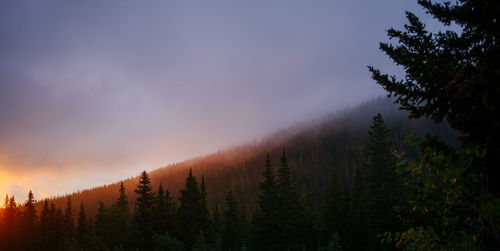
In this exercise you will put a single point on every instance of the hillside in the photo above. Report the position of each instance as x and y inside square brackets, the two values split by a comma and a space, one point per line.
[314, 150]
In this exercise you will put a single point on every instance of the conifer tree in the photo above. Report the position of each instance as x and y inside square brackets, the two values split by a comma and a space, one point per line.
[143, 215]
[217, 228]
[57, 228]
[204, 213]
[358, 212]
[189, 212]
[383, 187]
[10, 220]
[122, 202]
[265, 222]
[30, 214]
[332, 211]
[232, 226]
[68, 222]
[45, 225]
[82, 228]
[290, 212]
[161, 211]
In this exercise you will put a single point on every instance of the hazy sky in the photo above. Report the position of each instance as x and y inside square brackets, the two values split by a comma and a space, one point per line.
[95, 91]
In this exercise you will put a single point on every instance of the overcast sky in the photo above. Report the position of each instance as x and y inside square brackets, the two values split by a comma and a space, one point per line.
[95, 91]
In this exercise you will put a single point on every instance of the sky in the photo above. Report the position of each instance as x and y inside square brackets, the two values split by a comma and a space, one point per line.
[92, 92]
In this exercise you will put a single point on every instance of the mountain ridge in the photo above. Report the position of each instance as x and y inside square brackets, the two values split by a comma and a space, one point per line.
[314, 149]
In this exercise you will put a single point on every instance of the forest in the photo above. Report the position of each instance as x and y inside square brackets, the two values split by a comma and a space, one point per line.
[424, 177]
[284, 216]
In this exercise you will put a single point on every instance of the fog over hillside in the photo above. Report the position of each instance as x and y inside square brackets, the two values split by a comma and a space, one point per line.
[314, 150]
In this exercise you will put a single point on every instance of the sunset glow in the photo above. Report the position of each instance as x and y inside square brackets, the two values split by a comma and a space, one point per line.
[106, 92]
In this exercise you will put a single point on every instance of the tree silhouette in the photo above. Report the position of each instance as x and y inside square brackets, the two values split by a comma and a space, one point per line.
[232, 226]
[122, 202]
[68, 222]
[290, 213]
[383, 187]
[190, 213]
[30, 220]
[143, 215]
[452, 75]
[82, 230]
[264, 235]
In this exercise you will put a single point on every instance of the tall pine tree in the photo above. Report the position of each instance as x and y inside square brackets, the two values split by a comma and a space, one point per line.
[383, 187]
[143, 215]
[30, 217]
[290, 212]
[232, 226]
[265, 221]
[190, 213]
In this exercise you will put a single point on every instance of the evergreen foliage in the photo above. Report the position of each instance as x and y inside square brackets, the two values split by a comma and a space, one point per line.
[265, 220]
[191, 213]
[290, 213]
[143, 214]
[232, 226]
[452, 74]
[383, 183]
[82, 230]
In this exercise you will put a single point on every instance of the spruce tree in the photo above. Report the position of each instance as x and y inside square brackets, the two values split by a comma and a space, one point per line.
[10, 221]
[204, 213]
[358, 212]
[332, 210]
[265, 219]
[161, 213]
[452, 74]
[189, 212]
[217, 228]
[45, 225]
[30, 211]
[122, 202]
[68, 222]
[231, 238]
[143, 215]
[383, 187]
[82, 229]
[290, 213]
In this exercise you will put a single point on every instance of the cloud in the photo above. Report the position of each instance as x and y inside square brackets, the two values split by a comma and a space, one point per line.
[92, 86]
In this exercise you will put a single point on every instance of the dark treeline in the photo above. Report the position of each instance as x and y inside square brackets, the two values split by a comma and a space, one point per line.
[344, 185]
[282, 218]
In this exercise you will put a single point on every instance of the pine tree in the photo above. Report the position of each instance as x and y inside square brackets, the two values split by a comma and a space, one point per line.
[10, 221]
[143, 215]
[382, 180]
[45, 225]
[122, 202]
[290, 212]
[452, 75]
[204, 213]
[57, 238]
[30, 222]
[189, 212]
[265, 222]
[358, 212]
[68, 224]
[82, 229]
[231, 238]
[161, 212]
[217, 228]
[332, 211]
[30, 215]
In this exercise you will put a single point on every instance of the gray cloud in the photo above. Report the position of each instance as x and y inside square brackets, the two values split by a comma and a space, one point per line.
[123, 85]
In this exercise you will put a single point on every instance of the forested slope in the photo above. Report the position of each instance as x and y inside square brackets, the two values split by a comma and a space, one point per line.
[314, 149]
